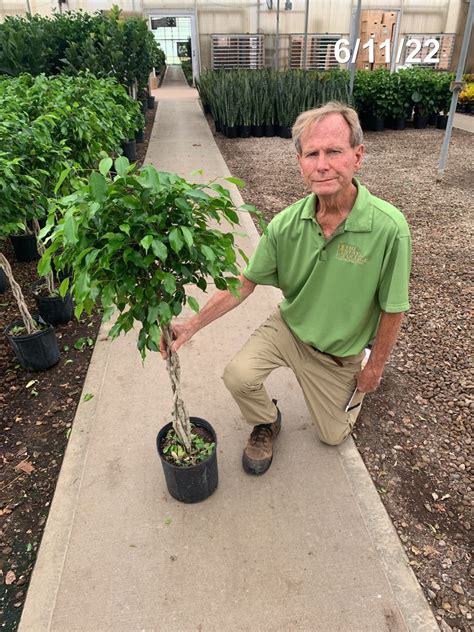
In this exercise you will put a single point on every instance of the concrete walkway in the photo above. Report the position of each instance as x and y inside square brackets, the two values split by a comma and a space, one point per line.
[306, 547]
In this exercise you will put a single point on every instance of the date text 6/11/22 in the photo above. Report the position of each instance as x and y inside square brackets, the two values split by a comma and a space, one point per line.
[411, 47]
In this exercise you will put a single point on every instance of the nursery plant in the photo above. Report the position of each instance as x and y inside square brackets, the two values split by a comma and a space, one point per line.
[134, 243]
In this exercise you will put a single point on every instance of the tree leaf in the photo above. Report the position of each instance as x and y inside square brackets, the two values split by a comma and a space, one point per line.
[70, 229]
[98, 186]
[62, 177]
[122, 166]
[187, 235]
[104, 165]
[63, 288]
[193, 304]
[169, 283]
[159, 249]
[236, 181]
[208, 253]
[175, 240]
[146, 242]
[164, 312]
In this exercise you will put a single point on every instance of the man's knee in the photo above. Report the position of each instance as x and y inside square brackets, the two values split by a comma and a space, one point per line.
[334, 436]
[237, 379]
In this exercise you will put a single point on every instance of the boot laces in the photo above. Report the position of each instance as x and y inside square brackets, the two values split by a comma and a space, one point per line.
[261, 434]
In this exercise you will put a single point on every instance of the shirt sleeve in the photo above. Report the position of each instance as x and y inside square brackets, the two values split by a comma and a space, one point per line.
[262, 268]
[393, 288]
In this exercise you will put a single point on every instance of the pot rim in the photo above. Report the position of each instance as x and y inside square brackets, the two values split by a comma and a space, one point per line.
[38, 319]
[169, 425]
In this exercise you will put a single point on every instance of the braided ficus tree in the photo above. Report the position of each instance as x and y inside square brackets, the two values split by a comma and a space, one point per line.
[134, 243]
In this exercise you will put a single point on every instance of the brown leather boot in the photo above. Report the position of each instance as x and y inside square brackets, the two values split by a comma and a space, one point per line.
[258, 452]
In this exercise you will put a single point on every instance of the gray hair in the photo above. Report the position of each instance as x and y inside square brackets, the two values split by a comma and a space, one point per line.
[306, 119]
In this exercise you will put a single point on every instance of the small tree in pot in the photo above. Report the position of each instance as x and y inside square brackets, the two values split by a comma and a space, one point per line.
[134, 243]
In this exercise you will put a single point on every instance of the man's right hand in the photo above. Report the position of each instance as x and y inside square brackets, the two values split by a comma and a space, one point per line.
[182, 332]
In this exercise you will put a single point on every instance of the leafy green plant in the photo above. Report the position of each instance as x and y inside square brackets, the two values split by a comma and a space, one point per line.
[134, 242]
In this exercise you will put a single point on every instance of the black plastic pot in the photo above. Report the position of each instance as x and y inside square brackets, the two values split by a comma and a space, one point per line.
[269, 130]
[218, 126]
[442, 122]
[244, 131]
[194, 483]
[3, 281]
[375, 123]
[144, 103]
[284, 132]
[397, 124]
[130, 150]
[38, 351]
[433, 119]
[150, 102]
[420, 122]
[230, 132]
[139, 136]
[54, 310]
[257, 131]
[25, 247]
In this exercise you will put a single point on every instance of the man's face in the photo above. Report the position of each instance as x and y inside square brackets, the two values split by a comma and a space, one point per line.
[327, 161]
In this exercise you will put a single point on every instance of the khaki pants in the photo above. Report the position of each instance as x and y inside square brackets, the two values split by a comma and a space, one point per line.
[326, 386]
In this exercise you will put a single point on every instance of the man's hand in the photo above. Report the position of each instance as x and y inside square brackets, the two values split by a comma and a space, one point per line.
[182, 332]
[368, 379]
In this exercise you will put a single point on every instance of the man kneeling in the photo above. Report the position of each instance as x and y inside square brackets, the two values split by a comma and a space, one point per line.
[341, 258]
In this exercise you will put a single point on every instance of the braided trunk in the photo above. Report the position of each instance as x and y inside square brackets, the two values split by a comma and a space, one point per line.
[28, 321]
[39, 244]
[181, 423]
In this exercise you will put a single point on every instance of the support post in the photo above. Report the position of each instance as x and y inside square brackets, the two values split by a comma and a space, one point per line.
[456, 88]
[355, 32]
[305, 40]
[277, 38]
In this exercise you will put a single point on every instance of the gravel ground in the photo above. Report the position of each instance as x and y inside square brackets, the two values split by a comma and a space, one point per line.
[415, 432]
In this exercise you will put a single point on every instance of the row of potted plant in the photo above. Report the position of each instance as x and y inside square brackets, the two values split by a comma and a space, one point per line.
[385, 99]
[52, 132]
[266, 102]
[103, 43]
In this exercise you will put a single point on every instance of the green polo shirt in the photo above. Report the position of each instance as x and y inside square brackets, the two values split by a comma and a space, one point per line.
[335, 289]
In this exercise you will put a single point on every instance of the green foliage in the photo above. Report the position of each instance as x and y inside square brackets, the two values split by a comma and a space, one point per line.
[136, 241]
[51, 129]
[176, 454]
[187, 67]
[264, 97]
[103, 44]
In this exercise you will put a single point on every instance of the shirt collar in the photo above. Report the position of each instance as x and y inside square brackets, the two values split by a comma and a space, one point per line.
[359, 219]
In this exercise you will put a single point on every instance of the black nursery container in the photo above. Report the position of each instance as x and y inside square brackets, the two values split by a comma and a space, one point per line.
[139, 136]
[269, 130]
[257, 131]
[38, 351]
[194, 483]
[25, 247]
[150, 102]
[3, 281]
[54, 310]
[130, 150]
[442, 122]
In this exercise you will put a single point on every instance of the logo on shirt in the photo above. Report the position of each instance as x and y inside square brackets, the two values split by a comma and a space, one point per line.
[352, 254]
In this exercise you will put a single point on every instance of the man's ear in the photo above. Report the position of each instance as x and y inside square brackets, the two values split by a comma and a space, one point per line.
[359, 156]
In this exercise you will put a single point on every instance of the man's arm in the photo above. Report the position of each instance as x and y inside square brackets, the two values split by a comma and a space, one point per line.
[389, 326]
[221, 303]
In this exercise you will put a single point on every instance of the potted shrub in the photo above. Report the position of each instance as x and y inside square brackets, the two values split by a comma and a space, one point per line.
[32, 340]
[55, 305]
[134, 243]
